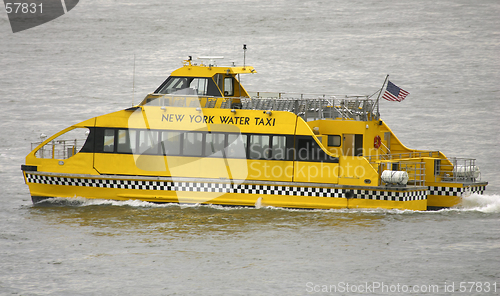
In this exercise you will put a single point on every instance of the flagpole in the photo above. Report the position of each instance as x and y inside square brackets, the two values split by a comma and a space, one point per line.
[379, 94]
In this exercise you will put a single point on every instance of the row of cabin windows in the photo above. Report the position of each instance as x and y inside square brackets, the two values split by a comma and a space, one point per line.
[207, 144]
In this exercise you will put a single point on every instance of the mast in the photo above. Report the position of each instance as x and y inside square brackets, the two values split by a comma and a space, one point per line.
[379, 94]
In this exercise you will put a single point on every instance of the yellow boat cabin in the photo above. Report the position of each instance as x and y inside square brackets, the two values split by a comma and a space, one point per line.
[200, 137]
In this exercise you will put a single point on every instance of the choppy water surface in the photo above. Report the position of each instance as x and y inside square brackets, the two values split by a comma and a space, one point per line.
[107, 247]
[80, 65]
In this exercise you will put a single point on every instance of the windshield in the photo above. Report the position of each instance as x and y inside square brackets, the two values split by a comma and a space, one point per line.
[200, 86]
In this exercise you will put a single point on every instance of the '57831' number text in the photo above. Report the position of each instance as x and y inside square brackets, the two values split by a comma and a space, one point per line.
[23, 7]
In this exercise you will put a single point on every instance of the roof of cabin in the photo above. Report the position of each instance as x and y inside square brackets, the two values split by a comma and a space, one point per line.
[209, 69]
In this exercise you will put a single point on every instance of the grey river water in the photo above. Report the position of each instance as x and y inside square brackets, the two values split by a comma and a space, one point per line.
[80, 65]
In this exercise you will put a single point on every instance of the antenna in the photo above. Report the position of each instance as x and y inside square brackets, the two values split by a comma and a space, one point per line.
[133, 84]
[244, 54]
[211, 59]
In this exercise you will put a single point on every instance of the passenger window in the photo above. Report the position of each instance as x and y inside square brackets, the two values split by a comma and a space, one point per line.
[170, 143]
[192, 144]
[148, 142]
[279, 147]
[334, 140]
[109, 140]
[236, 146]
[214, 144]
[259, 147]
[309, 150]
[123, 142]
[132, 135]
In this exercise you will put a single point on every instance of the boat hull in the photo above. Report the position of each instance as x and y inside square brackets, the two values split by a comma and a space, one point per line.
[223, 192]
[450, 194]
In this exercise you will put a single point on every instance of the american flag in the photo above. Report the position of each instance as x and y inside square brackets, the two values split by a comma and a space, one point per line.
[394, 93]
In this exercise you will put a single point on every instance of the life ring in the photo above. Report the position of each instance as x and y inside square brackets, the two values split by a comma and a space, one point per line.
[377, 142]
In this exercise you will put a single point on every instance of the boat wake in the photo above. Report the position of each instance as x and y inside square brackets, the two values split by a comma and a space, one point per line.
[472, 203]
[82, 202]
[480, 203]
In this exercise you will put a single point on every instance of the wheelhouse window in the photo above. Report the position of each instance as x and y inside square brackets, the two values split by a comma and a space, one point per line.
[225, 84]
[218, 78]
[228, 87]
[172, 85]
[201, 86]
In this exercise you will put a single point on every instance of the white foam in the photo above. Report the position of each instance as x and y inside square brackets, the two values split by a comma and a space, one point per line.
[473, 202]
[481, 203]
[81, 201]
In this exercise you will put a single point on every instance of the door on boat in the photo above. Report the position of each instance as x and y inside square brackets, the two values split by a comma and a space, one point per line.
[353, 145]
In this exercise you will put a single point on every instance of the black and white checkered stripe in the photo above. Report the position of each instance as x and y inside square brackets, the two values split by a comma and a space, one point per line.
[230, 188]
[391, 195]
[441, 190]
[478, 189]
[455, 191]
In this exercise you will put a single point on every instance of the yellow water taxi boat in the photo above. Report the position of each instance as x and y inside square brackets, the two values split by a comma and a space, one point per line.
[200, 137]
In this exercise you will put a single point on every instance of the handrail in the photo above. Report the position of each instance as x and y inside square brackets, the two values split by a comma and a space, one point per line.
[58, 149]
[263, 94]
[414, 169]
[387, 153]
[308, 106]
[358, 108]
[403, 155]
[458, 170]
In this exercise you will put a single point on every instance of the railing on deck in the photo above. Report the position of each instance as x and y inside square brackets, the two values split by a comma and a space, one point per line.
[451, 169]
[166, 100]
[458, 170]
[414, 169]
[309, 107]
[405, 155]
[314, 106]
[58, 149]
